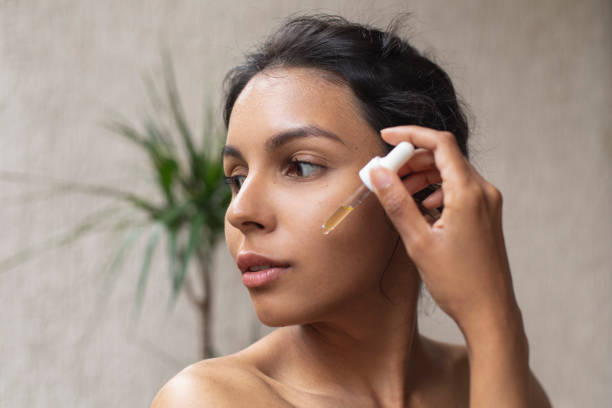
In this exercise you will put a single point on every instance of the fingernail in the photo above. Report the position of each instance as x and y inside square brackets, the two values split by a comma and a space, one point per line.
[380, 177]
[386, 130]
[390, 128]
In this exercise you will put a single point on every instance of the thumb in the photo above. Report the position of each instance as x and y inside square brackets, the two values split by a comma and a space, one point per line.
[398, 204]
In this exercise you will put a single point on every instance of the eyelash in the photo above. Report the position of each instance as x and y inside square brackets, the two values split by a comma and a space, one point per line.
[307, 163]
[235, 182]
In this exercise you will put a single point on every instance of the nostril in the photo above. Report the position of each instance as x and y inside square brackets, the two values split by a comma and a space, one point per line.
[253, 224]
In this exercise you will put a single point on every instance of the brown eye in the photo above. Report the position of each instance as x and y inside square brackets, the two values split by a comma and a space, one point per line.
[298, 168]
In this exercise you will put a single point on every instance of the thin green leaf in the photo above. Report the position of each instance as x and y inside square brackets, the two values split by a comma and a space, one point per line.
[155, 151]
[30, 197]
[213, 137]
[146, 265]
[195, 239]
[157, 136]
[171, 216]
[124, 249]
[73, 187]
[128, 132]
[112, 268]
[208, 125]
[173, 255]
[214, 175]
[84, 227]
[168, 169]
[152, 93]
[177, 110]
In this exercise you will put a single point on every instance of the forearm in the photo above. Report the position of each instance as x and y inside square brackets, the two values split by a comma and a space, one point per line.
[499, 361]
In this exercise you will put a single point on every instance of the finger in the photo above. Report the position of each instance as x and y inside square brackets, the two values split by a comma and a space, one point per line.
[435, 200]
[422, 159]
[453, 167]
[399, 205]
[418, 181]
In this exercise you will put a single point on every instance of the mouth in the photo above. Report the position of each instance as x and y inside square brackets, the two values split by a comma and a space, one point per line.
[258, 270]
[254, 262]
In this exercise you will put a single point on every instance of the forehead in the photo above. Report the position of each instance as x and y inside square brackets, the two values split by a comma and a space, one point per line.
[282, 98]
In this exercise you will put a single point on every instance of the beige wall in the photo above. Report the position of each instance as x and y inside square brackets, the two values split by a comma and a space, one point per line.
[537, 75]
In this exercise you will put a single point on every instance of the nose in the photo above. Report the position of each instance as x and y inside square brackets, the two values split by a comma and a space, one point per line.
[251, 209]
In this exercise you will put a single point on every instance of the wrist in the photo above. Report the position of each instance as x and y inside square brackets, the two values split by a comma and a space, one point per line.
[498, 356]
[496, 330]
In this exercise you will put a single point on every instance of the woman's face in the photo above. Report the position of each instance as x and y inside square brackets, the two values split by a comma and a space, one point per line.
[295, 144]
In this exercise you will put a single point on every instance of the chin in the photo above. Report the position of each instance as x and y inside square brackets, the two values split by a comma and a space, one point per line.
[274, 318]
[304, 307]
[279, 311]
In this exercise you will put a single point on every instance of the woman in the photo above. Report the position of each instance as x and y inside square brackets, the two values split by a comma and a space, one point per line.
[304, 113]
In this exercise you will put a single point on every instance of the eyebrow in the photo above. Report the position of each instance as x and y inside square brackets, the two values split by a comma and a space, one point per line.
[299, 132]
[230, 151]
[285, 137]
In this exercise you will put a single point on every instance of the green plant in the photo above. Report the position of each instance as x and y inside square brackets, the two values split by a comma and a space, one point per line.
[195, 197]
[189, 176]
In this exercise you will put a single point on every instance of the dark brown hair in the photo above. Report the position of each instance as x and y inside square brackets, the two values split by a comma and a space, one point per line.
[394, 83]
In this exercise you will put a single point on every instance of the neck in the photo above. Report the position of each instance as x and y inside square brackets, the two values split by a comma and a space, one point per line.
[370, 347]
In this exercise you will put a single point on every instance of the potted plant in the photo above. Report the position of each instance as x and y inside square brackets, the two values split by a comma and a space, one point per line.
[189, 176]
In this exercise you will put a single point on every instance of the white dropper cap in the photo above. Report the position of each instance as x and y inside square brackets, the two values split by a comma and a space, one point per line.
[393, 161]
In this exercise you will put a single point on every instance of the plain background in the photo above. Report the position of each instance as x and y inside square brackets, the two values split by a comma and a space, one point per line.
[536, 74]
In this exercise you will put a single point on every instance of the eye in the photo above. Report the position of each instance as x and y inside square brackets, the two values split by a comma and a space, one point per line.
[235, 182]
[297, 168]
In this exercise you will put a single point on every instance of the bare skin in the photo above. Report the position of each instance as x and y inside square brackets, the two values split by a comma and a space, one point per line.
[346, 305]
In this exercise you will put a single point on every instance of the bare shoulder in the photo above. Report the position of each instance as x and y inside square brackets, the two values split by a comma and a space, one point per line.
[449, 371]
[458, 368]
[218, 382]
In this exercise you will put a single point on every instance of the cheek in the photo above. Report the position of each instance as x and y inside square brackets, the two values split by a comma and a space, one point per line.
[330, 270]
[353, 256]
[363, 240]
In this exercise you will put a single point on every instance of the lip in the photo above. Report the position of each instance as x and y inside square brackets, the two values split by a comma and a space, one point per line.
[246, 260]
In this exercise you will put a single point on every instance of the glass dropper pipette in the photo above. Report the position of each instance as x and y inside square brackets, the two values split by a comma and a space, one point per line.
[395, 159]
